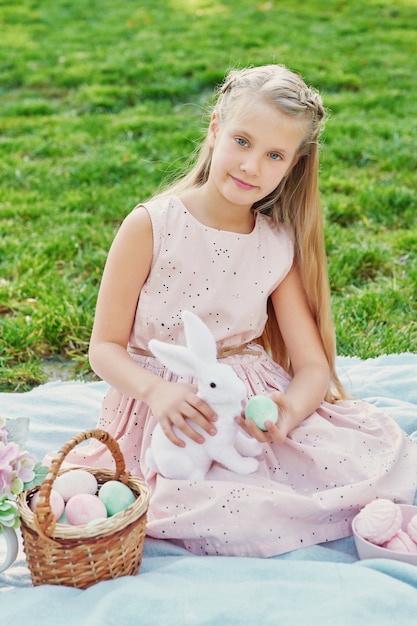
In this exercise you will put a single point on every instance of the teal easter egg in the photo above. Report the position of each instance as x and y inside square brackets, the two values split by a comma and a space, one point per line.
[261, 409]
[116, 496]
[96, 521]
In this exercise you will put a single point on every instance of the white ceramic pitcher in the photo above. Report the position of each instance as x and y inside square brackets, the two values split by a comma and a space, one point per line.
[12, 546]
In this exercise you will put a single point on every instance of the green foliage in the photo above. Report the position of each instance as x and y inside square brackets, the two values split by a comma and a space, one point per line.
[100, 101]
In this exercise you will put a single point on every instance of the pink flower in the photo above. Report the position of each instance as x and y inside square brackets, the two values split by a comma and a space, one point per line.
[23, 471]
[8, 452]
[16, 466]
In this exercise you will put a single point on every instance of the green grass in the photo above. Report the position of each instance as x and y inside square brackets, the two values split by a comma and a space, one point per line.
[100, 101]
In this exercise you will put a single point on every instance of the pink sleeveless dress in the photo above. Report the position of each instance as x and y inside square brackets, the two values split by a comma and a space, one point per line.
[307, 490]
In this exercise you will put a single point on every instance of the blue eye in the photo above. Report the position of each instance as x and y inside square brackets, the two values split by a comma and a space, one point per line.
[275, 156]
[241, 142]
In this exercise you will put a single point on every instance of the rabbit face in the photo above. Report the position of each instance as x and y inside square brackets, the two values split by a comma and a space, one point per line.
[221, 386]
[218, 384]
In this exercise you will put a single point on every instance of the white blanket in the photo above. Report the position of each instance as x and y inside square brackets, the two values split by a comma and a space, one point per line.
[320, 585]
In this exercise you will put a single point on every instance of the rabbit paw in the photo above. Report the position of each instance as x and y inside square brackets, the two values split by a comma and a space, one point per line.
[248, 446]
[251, 465]
[174, 466]
[240, 464]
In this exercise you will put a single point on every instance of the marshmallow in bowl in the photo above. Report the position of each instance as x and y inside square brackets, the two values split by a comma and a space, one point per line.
[401, 542]
[379, 521]
[412, 528]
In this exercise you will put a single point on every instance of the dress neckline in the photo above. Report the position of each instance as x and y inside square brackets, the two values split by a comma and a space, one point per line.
[211, 228]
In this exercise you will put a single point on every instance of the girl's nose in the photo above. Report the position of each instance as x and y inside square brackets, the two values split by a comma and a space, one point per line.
[250, 165]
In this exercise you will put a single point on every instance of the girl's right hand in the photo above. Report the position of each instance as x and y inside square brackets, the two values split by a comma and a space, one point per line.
[173, 404]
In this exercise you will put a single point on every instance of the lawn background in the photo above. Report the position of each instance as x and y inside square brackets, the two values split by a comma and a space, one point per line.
[100, 101]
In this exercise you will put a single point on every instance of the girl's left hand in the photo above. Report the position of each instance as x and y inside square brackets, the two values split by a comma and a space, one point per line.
[276, 433]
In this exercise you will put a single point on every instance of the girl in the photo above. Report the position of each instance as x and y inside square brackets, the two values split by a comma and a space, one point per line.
[239, 242]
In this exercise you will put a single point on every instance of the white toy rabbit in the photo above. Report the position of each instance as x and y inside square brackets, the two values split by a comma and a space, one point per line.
[223, 390]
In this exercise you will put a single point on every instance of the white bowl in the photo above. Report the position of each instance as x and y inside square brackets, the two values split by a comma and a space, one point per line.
[368, 550]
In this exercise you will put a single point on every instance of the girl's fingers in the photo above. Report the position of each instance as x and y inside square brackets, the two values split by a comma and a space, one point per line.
[170, 434]
[277, 433]
[251, 429]
[178, 406]
[200, 413]
[183, 420]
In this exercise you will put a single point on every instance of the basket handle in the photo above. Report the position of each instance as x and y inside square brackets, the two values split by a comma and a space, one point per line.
[43, 517]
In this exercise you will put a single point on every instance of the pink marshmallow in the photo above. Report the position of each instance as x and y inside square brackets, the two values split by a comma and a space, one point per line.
[412, 528]
[379, 521]
[401, 542]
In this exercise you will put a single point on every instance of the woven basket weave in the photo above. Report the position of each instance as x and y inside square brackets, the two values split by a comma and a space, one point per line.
[80, 556]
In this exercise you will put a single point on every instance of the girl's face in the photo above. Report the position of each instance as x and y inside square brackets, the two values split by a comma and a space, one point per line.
[252, 152]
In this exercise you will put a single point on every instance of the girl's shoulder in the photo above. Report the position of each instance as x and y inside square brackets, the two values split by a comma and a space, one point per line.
[160, 208]
[165, 218]
[160, 203]
[280, 231]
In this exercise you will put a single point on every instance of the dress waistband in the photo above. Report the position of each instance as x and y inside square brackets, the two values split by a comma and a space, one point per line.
[221, 354]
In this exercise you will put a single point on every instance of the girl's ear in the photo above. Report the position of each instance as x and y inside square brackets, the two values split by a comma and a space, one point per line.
[213, 129]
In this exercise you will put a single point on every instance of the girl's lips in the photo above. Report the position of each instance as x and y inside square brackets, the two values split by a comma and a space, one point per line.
[241, 183]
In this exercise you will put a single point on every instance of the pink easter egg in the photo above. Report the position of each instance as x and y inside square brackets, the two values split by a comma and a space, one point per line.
[56, 501]
[74, 482]
[84, 507]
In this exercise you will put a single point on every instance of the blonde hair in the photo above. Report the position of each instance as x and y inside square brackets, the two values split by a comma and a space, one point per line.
[296, 200]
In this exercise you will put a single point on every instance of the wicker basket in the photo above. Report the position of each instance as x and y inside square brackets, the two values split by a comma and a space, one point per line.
[80, 556]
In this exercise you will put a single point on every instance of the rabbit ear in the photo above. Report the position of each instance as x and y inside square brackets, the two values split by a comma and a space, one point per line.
[178, 359]
[199, 338]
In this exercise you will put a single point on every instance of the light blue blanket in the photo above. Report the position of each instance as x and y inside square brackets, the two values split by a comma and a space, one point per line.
[320, 585]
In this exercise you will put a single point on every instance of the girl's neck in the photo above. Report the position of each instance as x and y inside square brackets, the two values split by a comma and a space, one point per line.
[216, 213]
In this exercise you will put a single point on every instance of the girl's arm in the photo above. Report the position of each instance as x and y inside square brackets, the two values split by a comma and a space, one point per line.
[127, 267]
[311, 369]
